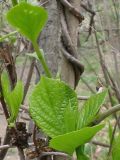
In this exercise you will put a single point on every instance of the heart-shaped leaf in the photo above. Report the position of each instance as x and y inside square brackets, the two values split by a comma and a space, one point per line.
[70, 141]
[49, 103]
[28, 19]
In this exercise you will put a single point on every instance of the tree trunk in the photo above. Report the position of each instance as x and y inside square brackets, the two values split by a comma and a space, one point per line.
[52, 39]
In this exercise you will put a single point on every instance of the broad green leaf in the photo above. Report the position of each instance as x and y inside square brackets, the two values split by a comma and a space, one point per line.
[116, 148]
[28, 19]
[13, 98]
[48, 105]
[70, 141]
[90, 109]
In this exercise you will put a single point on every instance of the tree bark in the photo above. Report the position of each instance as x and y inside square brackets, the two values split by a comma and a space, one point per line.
[52, 40]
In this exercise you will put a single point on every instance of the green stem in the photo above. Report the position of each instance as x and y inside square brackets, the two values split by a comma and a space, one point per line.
[42, 60]
[7, 36]
[14, 2]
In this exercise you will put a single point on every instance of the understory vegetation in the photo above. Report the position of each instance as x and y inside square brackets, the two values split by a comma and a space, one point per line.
[44, 113]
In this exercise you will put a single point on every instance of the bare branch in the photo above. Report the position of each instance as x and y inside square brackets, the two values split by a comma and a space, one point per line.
[106, 114]
[73, 10]
[83, 97]
[2, 147]
[100, 144]
[43, 154]
[71, 59]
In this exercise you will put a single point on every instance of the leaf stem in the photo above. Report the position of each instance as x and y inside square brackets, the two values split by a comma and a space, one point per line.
[42, 60]
[7, 36]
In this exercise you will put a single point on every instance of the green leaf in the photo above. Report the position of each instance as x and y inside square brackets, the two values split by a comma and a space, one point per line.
[90, 109]
[13, 98]
[49, 103]
[70, 141]
[83, 157]
[70, 118]
[28, 19]
[116, 148]
[110, 131]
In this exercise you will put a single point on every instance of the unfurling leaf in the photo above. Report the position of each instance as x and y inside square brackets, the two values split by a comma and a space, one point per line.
[90, 109]
[13, 98]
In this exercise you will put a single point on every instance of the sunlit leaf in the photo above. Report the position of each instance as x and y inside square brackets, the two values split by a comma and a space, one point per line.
[70, 141]
[28, 19]
[49, 104]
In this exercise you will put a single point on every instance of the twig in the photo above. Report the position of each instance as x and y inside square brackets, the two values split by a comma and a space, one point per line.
[113, 135]
[44, 154]
[23, 68]
[115, 87]
[102, 63]
[71, 59]
[73, 10]
[106, 114]
[83, 97]
[29, 78]
[88, 86]
[7, 36]
[91, 20]
[100, 144]
[2, 147]
[5, 147]
[87, 9]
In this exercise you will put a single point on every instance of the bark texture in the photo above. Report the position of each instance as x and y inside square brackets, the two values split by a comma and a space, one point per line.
[61, 32]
